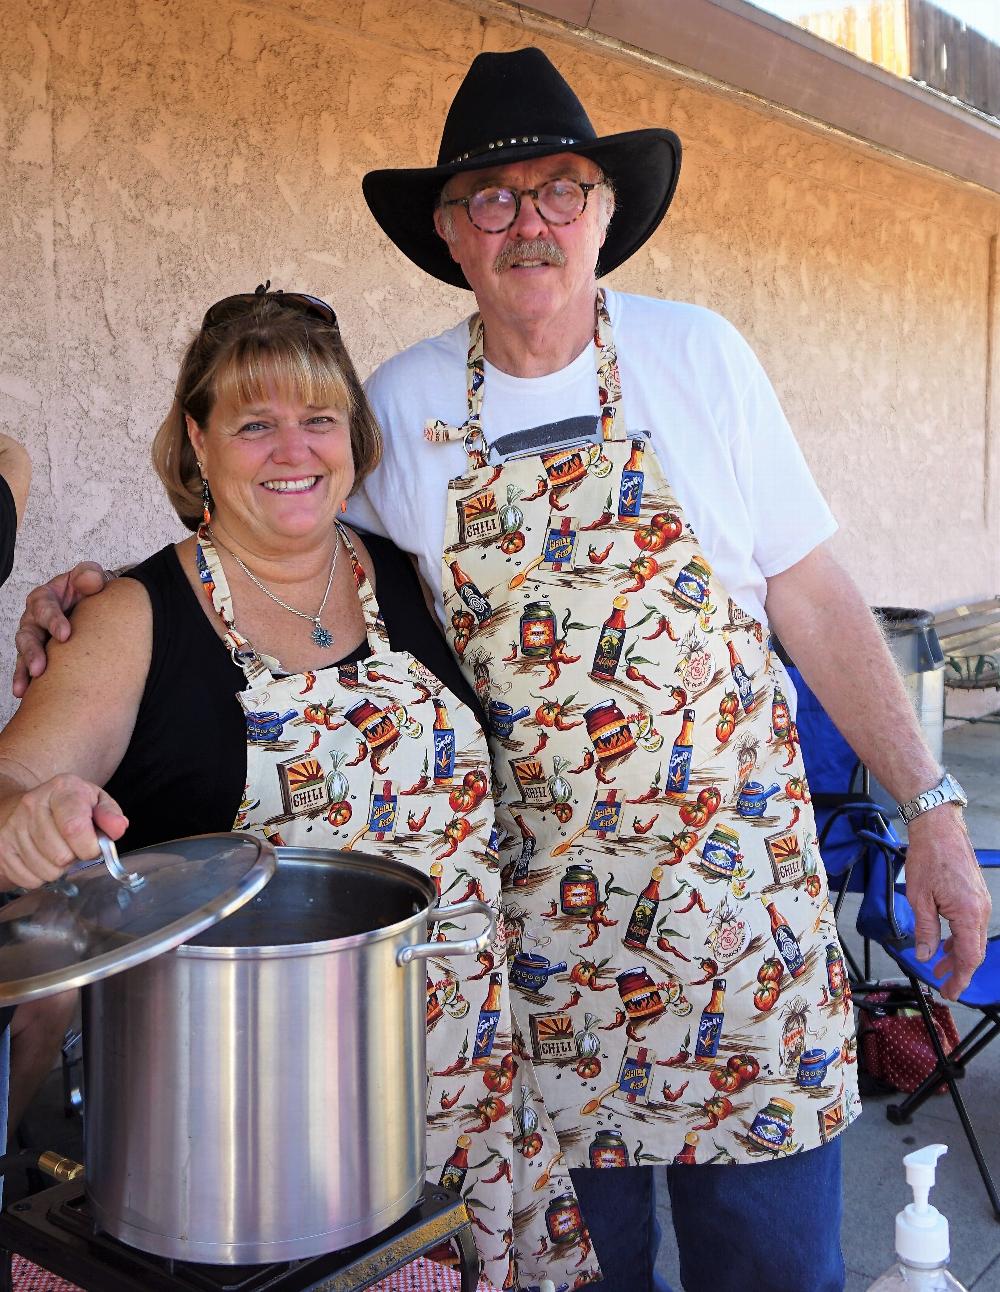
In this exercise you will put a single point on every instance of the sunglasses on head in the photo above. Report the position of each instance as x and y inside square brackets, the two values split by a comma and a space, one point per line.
[232, 307]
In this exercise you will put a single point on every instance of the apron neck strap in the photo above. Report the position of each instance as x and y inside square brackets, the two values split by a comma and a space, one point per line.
[471, 430]
[374, 623]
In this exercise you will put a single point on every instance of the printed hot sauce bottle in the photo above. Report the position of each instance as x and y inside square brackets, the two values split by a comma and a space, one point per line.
[785, 940]
[630, 490]
[486, 1026]
[529, 842]
[610, 642]
[644, 913]
[470, 594]
[444, 745]
[740, 676]
[710, 1024]
[456, 1168]
[679, 767]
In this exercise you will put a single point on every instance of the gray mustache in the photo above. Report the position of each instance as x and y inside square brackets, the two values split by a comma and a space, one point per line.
[535, 249]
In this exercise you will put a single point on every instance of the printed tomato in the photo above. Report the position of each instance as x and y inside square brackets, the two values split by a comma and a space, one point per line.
[530, 1145]
[745, 1066]
[724, 1079]
[339, 813]
[724, 728]
[499, 1080]
[588, 1068]
[813, 885]
[563, 812]
[462, 620]
[772, 970]
[710, 798]
[315, 713]
[477, 781]
[766, 997]
[462, 799]
[729, 705]
[668, 523]
[511, 543]
[649, 539]
[547, 712]
[796, 787]
[460, 640]
[457, 829]
[694, 814]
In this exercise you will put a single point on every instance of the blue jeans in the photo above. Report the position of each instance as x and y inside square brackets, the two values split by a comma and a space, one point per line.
[769, 1227]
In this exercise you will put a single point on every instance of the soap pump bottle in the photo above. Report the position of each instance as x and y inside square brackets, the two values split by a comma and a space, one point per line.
[922, 1246]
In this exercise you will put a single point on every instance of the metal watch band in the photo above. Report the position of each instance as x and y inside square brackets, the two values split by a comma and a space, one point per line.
[947, 790]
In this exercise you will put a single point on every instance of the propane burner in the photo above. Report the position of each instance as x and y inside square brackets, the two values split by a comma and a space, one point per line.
[55, 1230]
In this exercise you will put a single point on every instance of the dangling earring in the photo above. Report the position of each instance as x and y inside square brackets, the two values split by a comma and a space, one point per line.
[206, 498]
[343, 506]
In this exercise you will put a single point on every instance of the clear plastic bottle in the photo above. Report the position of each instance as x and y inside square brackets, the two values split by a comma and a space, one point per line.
[922, 1245]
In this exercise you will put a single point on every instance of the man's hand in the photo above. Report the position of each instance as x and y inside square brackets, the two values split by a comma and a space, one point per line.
[943, 877]
[45, 616]
[54, 825]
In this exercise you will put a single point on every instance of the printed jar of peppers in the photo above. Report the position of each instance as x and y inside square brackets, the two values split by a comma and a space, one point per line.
[537, 630]
[563, 1220]
[607, 1149]
[578, 893]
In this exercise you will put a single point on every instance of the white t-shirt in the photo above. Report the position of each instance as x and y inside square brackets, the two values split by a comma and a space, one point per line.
[688, 378]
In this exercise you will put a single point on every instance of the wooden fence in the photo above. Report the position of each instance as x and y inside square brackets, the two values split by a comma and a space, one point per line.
[917, 39]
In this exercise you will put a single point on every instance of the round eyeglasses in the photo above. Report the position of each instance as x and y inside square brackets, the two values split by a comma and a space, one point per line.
[495, 208]
[232, 307]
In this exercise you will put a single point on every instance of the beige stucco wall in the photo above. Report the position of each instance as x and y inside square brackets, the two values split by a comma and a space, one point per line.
[156, 154]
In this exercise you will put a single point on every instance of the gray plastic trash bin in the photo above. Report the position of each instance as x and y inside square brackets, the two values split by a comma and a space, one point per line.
[915, 647]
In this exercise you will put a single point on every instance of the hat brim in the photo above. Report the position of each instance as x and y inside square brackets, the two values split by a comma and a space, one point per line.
[643, 166]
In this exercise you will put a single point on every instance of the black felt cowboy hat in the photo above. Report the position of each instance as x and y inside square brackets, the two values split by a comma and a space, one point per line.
[510, 108]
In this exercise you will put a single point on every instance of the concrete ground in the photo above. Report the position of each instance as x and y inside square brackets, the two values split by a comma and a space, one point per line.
[874, 1183]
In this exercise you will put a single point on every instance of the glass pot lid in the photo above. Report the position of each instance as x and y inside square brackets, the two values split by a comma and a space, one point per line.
[107, 915]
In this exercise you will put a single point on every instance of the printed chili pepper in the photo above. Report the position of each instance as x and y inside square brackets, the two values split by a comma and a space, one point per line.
[542, 487]
[602, 775]
[662, 626]
[421, 783]
[680, 699]
[509, 659]
[646, 797]
[561, 723]
[598, 558]
[503, 1173]
[553, 910]
[554, 500]
[314, 742]
[332, 725]
[634, 674]
[575, 997]
[310, 683]
[693, 900]
[644, 827]
[681, 1056]
[497, 473]
[586, 765]
[452, 1069]
[671, 1096]
[449, 1101]
[376, 675]
[796, 813]
[619, 1019]
[361, 755]
[668, 948]
[711, 968]
[416, 823]
[422, 696]
[543, 740]
[604, 519]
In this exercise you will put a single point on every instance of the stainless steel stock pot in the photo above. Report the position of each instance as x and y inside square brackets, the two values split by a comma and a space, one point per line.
[254, 1039]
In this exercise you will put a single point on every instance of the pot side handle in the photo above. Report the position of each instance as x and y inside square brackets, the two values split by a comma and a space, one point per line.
[467, 947]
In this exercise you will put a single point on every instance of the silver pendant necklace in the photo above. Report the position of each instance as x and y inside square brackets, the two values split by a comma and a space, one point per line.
[320, 635]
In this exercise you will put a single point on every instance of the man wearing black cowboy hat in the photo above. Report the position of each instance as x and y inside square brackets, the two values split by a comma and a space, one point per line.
[622, 512]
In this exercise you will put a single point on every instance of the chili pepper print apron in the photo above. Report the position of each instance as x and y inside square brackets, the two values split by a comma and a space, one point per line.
[675, 968]
[380, 757]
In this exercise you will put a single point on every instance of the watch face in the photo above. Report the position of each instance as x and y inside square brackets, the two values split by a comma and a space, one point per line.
[954, 791]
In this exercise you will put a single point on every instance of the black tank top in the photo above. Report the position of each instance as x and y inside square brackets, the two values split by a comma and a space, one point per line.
[184, 770]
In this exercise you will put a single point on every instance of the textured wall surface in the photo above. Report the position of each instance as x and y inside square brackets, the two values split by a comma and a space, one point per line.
[157, 154]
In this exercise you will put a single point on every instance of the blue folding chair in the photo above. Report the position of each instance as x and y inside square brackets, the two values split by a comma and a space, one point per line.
[886, 917]
[841, 798]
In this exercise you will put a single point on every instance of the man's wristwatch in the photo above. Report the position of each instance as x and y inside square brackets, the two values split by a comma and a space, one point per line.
[947, 790]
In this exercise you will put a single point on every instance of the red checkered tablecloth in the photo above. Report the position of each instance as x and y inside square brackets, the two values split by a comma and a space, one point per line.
[419, 1276]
